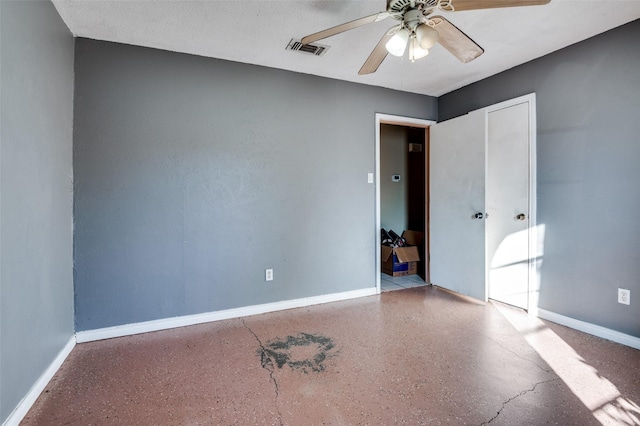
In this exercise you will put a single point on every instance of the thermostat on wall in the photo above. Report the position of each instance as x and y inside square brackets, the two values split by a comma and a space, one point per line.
[395, 178]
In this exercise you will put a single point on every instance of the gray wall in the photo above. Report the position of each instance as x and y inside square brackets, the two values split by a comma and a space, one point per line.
[588, 107]
[36, 288]
[193, 175]
[394, 146]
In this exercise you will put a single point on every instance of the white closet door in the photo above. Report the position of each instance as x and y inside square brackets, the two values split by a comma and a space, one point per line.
[508, 204]
[457, 194]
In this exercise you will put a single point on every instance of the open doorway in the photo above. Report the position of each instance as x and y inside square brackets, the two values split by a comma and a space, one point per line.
[402, 200]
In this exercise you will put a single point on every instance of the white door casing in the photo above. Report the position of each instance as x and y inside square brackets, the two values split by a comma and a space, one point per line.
[400, 121]
[507, 203]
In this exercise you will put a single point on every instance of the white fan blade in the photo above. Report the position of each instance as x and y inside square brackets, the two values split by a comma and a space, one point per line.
[455, 41]
[460, 5]
[377, 55]
[343, 27]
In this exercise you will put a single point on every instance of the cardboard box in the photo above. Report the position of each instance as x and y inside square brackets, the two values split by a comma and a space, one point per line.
[413, 238]
[416, 238]
[399, 261]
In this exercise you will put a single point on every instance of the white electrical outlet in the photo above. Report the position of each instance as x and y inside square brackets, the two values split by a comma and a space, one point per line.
[624, 296]
[369, 177]
[268, 274]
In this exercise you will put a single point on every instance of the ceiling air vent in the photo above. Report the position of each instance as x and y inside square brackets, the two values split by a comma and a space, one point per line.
[312, 49]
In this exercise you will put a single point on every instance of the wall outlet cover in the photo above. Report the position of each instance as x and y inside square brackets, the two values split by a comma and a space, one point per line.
[268, 275]
[624, 296]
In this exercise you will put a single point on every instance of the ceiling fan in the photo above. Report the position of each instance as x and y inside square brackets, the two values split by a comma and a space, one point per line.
[419, 29]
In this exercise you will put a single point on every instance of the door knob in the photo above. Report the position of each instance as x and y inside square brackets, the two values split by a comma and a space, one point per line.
[478, 215]
[521, 216]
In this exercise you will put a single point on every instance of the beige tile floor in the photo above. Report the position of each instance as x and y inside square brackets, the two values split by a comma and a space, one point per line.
[389, 283]
[417, 356]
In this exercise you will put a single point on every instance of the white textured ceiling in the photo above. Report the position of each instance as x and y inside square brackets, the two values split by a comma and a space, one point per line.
[257, 32]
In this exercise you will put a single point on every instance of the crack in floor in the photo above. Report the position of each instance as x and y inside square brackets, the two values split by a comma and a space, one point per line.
[266, 367]
[524, 392]
[549, 370]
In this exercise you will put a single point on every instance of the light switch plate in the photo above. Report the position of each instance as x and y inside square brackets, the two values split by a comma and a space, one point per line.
[369, 177]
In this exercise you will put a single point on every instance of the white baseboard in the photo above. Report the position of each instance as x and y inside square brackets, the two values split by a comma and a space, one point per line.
[167, 323]
[30, 398]
[596, 330]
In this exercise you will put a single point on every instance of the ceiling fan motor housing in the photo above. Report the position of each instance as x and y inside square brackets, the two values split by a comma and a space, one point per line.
[412, 18]
[399, 6]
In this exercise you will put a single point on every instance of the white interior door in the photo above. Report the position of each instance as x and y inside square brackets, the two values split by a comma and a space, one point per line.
[484, 163]
[457, 194]
[507, 201]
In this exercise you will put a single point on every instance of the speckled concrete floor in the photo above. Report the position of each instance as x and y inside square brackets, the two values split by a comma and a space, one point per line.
[415, 356]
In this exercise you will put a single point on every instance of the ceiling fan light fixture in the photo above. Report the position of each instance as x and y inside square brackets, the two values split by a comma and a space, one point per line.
[415, 51]
[427, 36]
[398, 43]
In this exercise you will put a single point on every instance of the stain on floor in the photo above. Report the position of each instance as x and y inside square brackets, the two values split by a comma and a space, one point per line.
[414, 356]
[305, 352]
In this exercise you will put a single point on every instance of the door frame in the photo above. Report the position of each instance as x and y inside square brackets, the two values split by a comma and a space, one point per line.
[398, 120]
[532, 300]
